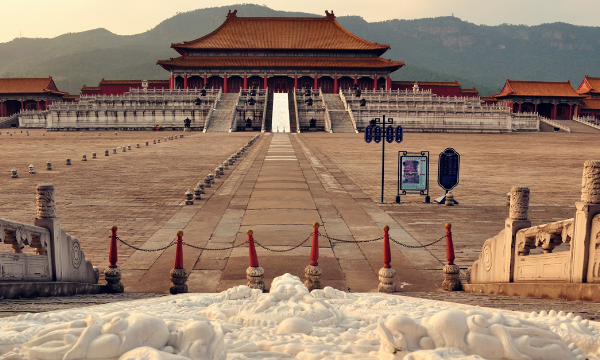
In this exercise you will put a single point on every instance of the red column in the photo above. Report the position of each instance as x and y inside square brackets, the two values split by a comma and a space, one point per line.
[355, 80]
[570, 111]
[554, 112]
[388, 83]
[335, 85]
[245, 82]
[295, 81]
[225, 83]
[375, 82]
[172, 81]
[205, 80]
[265, 86]
[21, 104]
[520, 108]
[577, 108]
[316, 86]
[2, 108]
[535, 108]
[185, 81]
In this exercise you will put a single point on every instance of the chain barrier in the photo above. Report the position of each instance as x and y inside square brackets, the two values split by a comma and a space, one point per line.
[146, 250]
[280, 251]
[216, 249]
[350, 241]
[418, 246]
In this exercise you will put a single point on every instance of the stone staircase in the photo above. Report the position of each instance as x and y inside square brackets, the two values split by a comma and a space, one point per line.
[577, 127]
[220, 120]
[340, 119]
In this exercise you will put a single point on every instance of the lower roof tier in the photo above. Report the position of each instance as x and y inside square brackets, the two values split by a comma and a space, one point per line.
[280, 62]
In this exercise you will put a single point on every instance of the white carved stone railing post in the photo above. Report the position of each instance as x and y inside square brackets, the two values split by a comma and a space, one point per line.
[46, 218]
[518, 218]
[585, 210]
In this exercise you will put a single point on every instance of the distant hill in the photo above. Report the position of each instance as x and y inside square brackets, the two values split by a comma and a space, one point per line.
[434, 49]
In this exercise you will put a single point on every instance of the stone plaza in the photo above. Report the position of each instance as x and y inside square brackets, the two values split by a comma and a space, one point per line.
[279, 188]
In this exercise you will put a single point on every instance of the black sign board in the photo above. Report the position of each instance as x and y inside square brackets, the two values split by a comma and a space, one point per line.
[389, 134]
[399, 134]
[368, 134]
[448, 167]
[377, 134]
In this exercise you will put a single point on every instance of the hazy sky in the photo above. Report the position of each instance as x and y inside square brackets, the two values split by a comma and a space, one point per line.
[43, 18]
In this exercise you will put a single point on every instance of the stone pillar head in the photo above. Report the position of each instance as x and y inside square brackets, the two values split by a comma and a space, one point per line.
[68, 161]
[590, 184]
[519, 203]
[45, 201]
[93, 155]
[31, 169]
[48, 165]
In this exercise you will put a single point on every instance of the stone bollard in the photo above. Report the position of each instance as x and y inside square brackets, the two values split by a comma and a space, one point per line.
[106, 152]
[225, 165]
[64, 134]
[451, 271]
[590, 184]
[146, 143]
[189, 195]
[94, 155]
[112, 274]
[221, 169]
[212, 178]
[81, 134]
[217, 173]
[178, 273]
[154, 142]
[114, 150]
[198, 192]
[84, 157]
[129, 147]
[98, 133]
[137, 145]
[449, 199]
[159, 141]
[48, 165]
[165, 139]
[124, 148]
[519, 203]
[313, 271]
[31, 169]
[207, 181]
[28, 133]
[387, 275]
[230, 161]
[254, 273]
[508, 199]
[68, 161]
[116, 133]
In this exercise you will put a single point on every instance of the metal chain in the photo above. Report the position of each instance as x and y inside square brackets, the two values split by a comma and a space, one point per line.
[280, 251]
[418, 246]
[147, 250]
[225, 248]
[351, 241]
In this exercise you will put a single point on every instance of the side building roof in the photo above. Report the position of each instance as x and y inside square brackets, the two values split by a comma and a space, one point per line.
[280, 33]
[589, 85]
[29, 86]
[537, 89]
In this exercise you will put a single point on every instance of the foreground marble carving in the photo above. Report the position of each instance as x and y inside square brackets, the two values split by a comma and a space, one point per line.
[290, 322]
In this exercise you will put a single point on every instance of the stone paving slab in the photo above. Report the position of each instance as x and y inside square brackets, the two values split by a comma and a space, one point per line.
[276, 216]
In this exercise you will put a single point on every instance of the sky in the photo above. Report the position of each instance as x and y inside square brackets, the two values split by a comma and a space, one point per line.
[47, 19]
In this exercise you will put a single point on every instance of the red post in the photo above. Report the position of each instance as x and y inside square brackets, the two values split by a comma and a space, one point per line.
[316, 86]
[295, 81]
[185, 82]
[112, 253]
[314, 248]
[375, 82]
[265, 86]
[179, 251]
[449, 245]
[225, 88]
[387, 254]
[245, 82]
[252, 249]
[205, 80]
[335, 84]
[172, 81]
[355, 80]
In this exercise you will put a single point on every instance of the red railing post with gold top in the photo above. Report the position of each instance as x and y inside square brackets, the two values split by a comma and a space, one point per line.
[387, 255]
[449, 245]
[112, 253]
[252, 249]
[179, 251]
[314, 248]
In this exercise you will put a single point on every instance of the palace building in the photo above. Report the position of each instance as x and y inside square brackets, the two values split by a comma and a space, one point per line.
[18, 94]
[280, 54]
[119, 87]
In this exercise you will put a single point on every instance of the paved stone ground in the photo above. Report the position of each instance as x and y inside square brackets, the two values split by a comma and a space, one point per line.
[282, 185]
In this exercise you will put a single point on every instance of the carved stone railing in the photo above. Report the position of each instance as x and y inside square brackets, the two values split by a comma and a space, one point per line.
[58, 256]
[555, 124]
[587, 120]
[507, 257]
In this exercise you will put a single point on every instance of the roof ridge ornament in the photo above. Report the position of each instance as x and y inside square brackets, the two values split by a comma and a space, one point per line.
[329, 15]
[232, 15]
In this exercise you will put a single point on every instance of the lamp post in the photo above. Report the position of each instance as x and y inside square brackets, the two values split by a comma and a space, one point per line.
[383, 121]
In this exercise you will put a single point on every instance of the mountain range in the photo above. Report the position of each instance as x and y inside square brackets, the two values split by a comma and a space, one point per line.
[434, 49]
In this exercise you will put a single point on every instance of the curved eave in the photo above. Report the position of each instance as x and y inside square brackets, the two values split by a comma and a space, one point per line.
[184, 51]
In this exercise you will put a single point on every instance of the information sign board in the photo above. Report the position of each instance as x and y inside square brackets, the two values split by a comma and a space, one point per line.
[368, 134]
[448, 169]
[377, 134]
[413, 173]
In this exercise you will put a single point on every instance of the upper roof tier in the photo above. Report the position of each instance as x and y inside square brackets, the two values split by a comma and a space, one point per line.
[261, 33]
[537, 88]
[589, 85]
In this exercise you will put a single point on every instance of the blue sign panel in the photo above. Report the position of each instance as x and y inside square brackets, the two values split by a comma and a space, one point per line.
[389, 134]
[377, 134]
[368, 134]
[399, 134]
[448, 168]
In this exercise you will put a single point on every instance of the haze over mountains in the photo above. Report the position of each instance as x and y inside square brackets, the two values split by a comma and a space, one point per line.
[434, 49]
